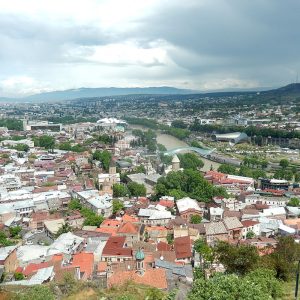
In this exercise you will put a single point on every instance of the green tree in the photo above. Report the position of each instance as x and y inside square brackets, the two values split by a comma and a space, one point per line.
[104, 157]
[117, 206]
[46, 142]
[195, 219]
[227, 169]
[15, 231]
[205, 251]
[136, 189]
[66, 146]
[250, 234]
[120, 190]
[4, 241]
[190, 161]
[237, 259]
[188, 183]
[170, 238]
[294, 202]
[179, 124]
[75, 204]
[284, 163]
[19, 276]
[37, 292]
[64, 229]
[297, 177]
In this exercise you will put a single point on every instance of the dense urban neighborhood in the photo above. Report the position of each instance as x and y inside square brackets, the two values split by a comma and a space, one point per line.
[151, 200]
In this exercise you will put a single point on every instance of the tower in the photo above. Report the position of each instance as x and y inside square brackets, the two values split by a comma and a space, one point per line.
[175, 163]
[139, 257]
[112, 167]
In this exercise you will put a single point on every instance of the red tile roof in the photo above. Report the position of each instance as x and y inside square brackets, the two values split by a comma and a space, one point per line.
[182, 246]
[33, 268]
[162, 246]
[153, 277]
[128, 228]
[115, 247]
[85, 261]
[248, 223]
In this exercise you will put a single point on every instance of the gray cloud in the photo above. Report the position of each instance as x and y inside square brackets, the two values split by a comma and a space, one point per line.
[200, 43]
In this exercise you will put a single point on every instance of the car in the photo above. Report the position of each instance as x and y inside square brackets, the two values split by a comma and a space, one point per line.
[29, 243]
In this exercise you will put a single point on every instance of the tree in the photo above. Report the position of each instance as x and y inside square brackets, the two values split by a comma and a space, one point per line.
[117, 206]
[190, 161]
[250, 234]
[120, 190]
[170, 238]
[64, 229]
[205, 251]
[45, 141]
[4, 241]
[178, 124]
[237, 259]
[257, 285]
[188, 183]
[136, 189]
[227, 169]
[283, 258]
[294, 202]
[14, 231]
[18, 276]
[195, 219]
[297, 177]
[284, 163]
[75, 204]
[37, 292]
[104, 157]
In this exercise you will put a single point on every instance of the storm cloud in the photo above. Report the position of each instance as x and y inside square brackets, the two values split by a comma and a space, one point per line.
[197, 44]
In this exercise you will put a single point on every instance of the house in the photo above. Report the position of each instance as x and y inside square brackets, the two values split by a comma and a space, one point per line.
[85, 262]
[154, 217]
[215, 231]
[156, 233]
[250, 226]
[100, 204]
[8, 258]
[116, 250]
[188, 207]
[183, 249]
[216, 214]
[130, 231]
[52, 226]
[234, 227]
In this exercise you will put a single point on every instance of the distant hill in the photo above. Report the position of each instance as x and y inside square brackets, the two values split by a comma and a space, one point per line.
[99, 92]
[287, 92]
[290, 89]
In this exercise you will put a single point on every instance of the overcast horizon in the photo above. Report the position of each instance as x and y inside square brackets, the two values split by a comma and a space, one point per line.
[195, 44]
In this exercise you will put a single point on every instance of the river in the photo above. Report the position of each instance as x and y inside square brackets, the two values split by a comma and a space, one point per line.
[171, 142]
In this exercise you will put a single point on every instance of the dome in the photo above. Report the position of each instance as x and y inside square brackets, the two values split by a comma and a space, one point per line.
[139, 255]
[175, 159]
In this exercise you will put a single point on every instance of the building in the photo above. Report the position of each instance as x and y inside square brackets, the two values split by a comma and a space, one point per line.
[273, 184]
[188, 207]
[234, 137]
[100, 204]
[40, 125]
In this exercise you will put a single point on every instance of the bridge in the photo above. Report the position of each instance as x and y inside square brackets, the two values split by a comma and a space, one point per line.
[200, 151]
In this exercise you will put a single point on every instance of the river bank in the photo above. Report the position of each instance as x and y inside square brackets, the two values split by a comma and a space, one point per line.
[171, 142]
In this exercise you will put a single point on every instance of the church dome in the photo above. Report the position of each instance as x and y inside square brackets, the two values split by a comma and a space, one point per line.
[139, 255]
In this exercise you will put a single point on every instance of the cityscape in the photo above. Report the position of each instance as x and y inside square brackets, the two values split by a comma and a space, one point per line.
[151, 186]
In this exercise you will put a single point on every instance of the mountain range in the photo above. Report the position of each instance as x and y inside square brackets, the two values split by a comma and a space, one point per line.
[288, 90]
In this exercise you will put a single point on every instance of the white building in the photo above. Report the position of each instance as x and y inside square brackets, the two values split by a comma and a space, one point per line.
[102, 205]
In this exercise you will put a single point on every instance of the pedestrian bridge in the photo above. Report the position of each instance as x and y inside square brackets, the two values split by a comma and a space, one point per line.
[200, 151]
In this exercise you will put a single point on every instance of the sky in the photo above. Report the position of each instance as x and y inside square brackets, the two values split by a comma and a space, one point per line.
[194, 44]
